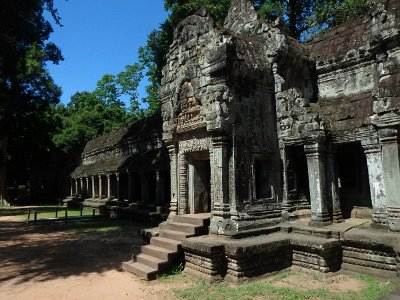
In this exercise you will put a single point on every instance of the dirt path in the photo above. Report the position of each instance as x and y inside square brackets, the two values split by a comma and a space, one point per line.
[47, 262]
[40, 264]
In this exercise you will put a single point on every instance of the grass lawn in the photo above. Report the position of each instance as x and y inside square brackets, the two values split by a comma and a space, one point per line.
[43, 212]
[270, 289]
[96, 226]
[50, 212]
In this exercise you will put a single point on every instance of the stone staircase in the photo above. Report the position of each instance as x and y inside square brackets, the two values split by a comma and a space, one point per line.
[165, 249]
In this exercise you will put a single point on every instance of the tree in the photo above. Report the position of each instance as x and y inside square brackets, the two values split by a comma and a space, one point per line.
[28, 94]
[90, 114]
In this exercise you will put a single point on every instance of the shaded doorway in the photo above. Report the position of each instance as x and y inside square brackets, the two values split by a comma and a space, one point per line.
[199, 183]
[352, 178]
[297, 177]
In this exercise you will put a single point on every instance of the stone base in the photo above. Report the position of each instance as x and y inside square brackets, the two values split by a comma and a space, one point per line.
[322, 250]
[393, 218]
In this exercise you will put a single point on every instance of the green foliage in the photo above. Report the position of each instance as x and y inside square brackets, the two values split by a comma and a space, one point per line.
[179, 9]
[28, 94]
[90, 114]
[306, 18]
[173, 273]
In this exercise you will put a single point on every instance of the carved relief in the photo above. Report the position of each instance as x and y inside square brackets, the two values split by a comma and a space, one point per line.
[190, 116]
[295, 115]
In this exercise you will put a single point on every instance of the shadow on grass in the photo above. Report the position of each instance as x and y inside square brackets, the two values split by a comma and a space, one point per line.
[23, 211]
[45, 252]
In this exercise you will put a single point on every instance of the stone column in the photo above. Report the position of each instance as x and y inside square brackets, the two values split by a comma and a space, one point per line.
[285, 201]
[82, 187]
[388, 138]
[158, 187]
[87, 186]
[76, 187]
[118, 196]
[72, 187]
[173, 210]
[129, 185]
[220, 178]
[93, 188]
[333, 187]
[100, 188]
[143, 184]
[108, 186]
[316, 156]
[373, 153]
[183, 184]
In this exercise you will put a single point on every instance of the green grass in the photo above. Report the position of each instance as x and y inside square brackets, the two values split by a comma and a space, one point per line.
[265, 289]
[108, 226]
[50, 212]
[99, 226]
[23, 211]
[175, 273]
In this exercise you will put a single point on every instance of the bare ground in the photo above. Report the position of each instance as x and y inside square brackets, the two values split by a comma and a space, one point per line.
[39, 263]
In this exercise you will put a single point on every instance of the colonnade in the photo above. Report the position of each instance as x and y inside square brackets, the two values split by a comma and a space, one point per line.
[131, 186]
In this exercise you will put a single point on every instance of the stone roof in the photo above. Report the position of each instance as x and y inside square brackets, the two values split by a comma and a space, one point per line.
[148, 159]
[137, 130]
[340, 40]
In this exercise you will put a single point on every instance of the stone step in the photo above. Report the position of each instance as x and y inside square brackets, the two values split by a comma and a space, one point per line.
[174, 235]
[158, 252]
[166, 243]
[184, 227]
[198, 220]
[151, 261]
[140, 269]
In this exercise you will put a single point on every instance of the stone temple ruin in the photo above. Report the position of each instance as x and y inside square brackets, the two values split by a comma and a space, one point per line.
[292, 148]
[129, 163]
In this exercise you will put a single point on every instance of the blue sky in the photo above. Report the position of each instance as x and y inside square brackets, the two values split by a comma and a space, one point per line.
[100, 37]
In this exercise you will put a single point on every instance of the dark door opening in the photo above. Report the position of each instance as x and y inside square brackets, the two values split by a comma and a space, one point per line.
[353, 178]
[199, 184]
[297, 174]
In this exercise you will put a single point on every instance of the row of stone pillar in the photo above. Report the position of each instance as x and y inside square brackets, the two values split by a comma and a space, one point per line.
[384, 179]
[96, 187]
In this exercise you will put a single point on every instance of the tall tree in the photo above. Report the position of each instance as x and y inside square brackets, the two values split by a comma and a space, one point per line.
[90, 114]
[27, 92]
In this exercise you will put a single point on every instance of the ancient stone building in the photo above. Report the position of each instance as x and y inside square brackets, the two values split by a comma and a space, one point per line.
[262, 130]
[127, 167]
[260, 116]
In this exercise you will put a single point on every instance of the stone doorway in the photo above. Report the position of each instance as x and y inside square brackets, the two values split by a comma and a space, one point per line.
[199, 175]
[355, 196]
[298, 183]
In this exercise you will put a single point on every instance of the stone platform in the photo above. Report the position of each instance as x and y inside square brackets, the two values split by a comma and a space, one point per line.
[352, 246]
